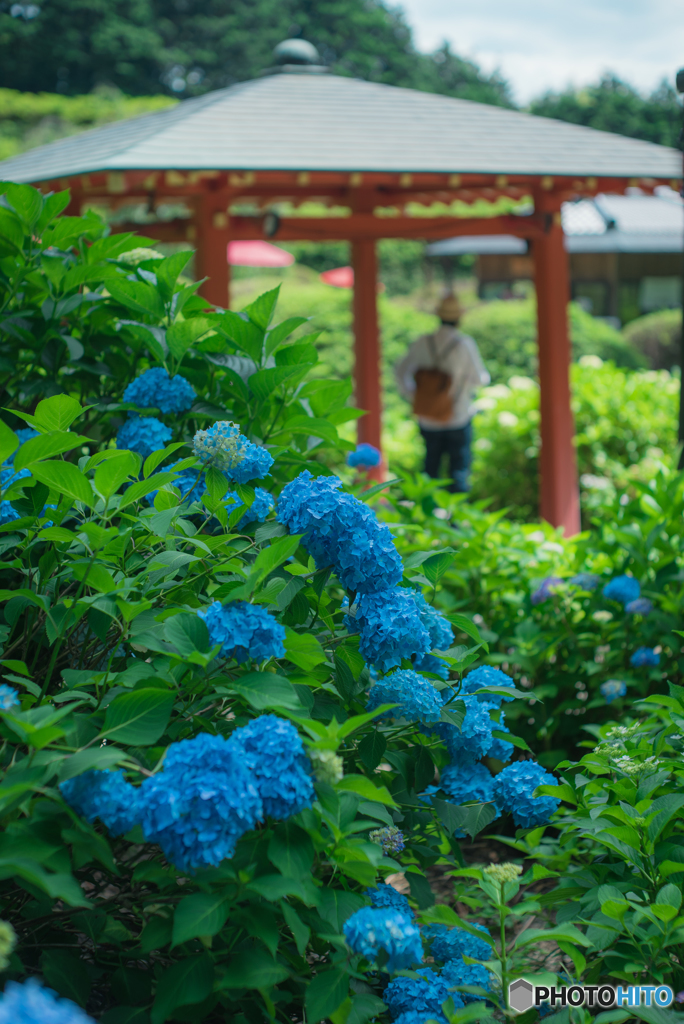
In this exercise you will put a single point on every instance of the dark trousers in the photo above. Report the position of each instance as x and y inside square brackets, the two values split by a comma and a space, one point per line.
[455, 443]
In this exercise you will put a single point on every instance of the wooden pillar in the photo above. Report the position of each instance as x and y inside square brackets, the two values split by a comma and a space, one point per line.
[367, 341]
[212, 227]
[559, 497]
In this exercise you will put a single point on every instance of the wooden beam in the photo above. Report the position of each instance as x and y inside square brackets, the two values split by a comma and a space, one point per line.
[559, 493]
[211, 257]
[367, 344]
[360, 226]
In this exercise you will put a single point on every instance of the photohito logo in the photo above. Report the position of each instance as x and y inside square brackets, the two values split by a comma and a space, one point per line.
[522, 995]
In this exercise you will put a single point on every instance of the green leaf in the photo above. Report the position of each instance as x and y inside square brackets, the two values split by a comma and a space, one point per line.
[253, 968]
[264, 690]
[140, 717]
[137, 296]
[67, 974]
[508, 737]
[27, 202]
[471, 819]
[261, 311]
[670, 894]
[365, 788]
[216, 483]
[184, 334]
[277, 335]
[454, 713]
[275, 555]
[465, 625]
[156, 458]
[327, 990]
[336, 905]
[143, 487]
[188, 633]
[264, 383]
[185, 983]
[64, 478]
[58, 412]
[300, 932]
[46, 445]
[110, 475]
[101, 758]
[201, 914]
[303, 650]
[371, 748]
[245, 334]
[291, 851]
[9, 442]
[436, 566]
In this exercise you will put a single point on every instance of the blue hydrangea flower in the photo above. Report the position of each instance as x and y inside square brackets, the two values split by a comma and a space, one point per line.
[383, 895]
[342, 532]
[424, 994]
[451, 943]
[8, 697]
[441, 633]
[390, 838]
[546, 589]
[622, 589]
[154, 389]
[24, 434]
[467, 782]
[475, 739]
[487, 675]
[642, 606]
[225, 448]
[244, 631]
[187, 480]
[260, 508]
[514, 791]
[144, 435]
[585, 581]
[272, 750]
[30, 1003]
[417, 699]
[369, 931]
[644, 656]
[390, 628]
[200, 804]
[502, 750]
[9, 475]
[431, 663]
[365, 456]
[104, 795]
[458, 972]
[416, 1017]
[613, 688]
[7, 513]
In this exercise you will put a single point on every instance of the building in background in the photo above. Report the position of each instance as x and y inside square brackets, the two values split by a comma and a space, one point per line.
[625, 255]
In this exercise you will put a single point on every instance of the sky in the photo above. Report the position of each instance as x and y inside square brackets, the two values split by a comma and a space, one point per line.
[547, 44]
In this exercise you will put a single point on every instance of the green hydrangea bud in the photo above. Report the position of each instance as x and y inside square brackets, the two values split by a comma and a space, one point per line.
[8, 941]
[328, 766]
[503, 872]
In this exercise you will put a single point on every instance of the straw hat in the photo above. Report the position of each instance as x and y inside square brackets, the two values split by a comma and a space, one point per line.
[449, 309]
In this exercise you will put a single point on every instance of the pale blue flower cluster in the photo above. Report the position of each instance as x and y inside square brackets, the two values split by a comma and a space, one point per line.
[9, 697]
[642, 606]
[387, 896]
[644, 656]
[390, 627]
[257, 512]
[341, 532]
[244, 630]
[467, 782]
[487, 675]
[423, 995]
[30, 1003]
[623, 589]
[365, 457]
[585, 581]
[514, 792]
[154, 389]
[370, 931]
[144, 435]
[439, 629]
[225, 448]
[389, 837]
[104, 795]
[416, 697]
[613, 688]
[452, 943]
[546, 589]
[208, 794]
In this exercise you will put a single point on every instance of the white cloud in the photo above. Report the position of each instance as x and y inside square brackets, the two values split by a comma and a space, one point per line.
[547, 44]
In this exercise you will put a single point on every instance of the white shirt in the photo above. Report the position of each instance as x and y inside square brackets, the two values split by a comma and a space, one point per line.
[456, 354]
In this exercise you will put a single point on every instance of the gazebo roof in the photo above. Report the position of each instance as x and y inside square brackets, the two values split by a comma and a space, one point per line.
[330, 123]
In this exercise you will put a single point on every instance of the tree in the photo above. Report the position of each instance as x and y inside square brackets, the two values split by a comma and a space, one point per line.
[614, 106]
[186, 48]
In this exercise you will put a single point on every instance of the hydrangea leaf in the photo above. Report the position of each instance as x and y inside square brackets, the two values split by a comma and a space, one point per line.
[64, 478]
[303, 650]
[138, 718]
[202, 913]
[326, 992]
[58, 412]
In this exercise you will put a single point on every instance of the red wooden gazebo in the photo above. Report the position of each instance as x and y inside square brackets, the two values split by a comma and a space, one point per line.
[389, 163]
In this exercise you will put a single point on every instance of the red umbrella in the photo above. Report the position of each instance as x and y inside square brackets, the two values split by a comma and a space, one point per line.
[340, 277]
[258, 254]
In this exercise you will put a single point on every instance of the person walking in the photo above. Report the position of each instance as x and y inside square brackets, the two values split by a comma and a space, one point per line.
[439, 374]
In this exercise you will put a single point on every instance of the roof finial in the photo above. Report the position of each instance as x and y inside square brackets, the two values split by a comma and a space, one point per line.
[296, 56]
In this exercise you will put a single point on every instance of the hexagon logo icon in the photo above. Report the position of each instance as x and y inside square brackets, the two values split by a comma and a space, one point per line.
[520, 995]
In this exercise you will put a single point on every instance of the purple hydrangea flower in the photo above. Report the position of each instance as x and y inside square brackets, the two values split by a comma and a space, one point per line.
[154, 389]
[585, 581]
[389, 837]
[546, 589]
[144, 435]
[644, 656]
[514, 791]
[389, 626]
[244, 631]
[365, 456]
[642, 606]
[369, 931]
[623, 589]
[416, 697]
[613, 688]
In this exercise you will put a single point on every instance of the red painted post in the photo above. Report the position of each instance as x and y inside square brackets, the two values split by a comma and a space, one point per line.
[559, 497]
[367, 341]
[212, 225]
